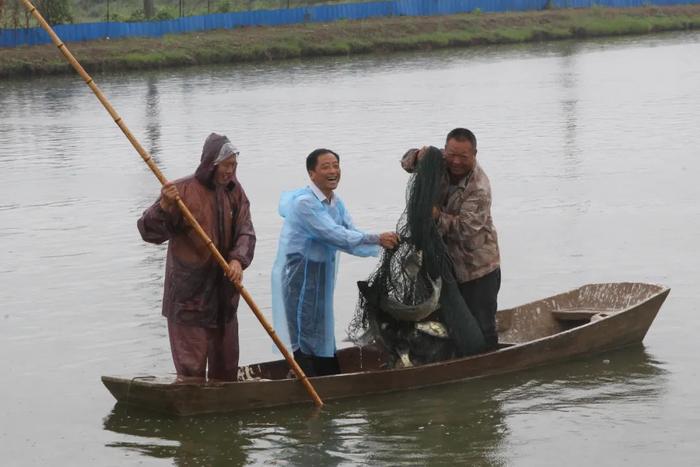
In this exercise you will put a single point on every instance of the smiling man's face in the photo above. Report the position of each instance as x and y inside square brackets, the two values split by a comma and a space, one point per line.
[460, 157]
[326, 174]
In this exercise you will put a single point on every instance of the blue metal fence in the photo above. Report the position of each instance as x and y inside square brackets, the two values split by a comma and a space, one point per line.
[321, 13]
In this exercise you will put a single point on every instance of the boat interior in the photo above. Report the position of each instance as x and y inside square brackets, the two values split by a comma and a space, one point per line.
[515, 326]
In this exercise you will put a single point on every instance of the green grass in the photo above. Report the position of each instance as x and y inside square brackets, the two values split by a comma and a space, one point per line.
[380, 35]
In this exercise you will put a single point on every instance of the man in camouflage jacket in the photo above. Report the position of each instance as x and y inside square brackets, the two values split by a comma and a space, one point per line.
[465, 223]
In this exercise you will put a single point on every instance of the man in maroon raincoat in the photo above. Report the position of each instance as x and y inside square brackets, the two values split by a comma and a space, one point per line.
[199, 301]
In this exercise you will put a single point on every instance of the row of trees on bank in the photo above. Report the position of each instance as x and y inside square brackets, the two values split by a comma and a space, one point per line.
[14, 15]
[54, 11]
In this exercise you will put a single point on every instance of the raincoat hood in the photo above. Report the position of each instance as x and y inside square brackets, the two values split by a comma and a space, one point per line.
[286, 202]
[205, 172]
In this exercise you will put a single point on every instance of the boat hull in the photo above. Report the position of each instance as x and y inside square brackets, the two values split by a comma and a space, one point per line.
[546, 331]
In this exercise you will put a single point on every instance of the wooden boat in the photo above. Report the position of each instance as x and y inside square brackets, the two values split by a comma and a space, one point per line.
[591, 319]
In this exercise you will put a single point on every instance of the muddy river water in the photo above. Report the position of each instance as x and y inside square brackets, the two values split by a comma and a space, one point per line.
[593, 153]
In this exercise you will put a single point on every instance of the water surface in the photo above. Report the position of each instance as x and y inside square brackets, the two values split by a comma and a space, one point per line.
[592, 151]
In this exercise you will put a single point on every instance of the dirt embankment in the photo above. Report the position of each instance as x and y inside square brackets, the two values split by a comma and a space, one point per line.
[378, 35]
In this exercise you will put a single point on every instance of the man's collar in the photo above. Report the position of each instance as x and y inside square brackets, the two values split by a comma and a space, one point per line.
[319, 194]
[462, 183]
[465, 179]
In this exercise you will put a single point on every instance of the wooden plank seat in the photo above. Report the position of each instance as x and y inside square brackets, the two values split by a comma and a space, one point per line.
[579, 314]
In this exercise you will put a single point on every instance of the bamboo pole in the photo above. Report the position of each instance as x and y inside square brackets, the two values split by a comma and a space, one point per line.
[185, 211]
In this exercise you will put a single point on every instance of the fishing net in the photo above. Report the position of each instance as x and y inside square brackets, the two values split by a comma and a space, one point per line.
[411, 304]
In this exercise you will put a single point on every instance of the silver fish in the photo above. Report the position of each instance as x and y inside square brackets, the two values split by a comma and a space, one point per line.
[404, 360]
[412, 264]
[417, 312]
[433, 328]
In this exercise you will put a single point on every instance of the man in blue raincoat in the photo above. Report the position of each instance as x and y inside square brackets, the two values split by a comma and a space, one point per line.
[316, 226]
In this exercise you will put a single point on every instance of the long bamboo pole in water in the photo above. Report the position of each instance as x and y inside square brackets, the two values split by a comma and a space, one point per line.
[185, 211]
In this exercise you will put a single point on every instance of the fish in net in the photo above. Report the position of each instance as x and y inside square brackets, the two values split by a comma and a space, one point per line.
[410, 304]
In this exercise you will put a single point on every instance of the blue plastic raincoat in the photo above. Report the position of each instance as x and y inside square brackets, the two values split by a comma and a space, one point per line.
[303, 277]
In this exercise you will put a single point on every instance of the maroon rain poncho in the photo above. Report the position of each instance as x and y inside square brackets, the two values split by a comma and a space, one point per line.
[197, 293]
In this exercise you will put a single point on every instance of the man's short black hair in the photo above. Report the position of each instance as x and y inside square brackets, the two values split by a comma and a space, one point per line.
[312, 159]
[461, 134]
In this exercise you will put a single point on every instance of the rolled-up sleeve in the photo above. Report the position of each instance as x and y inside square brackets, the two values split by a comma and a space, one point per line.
[410, 160]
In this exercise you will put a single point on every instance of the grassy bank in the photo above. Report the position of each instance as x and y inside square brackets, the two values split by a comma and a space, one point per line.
[379, 35]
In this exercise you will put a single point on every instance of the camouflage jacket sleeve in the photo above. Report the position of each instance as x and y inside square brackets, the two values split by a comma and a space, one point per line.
[409, 160]
[466, 225]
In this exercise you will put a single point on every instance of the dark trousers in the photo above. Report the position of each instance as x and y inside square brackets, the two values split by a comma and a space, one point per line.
[481, 296]
[316, 366]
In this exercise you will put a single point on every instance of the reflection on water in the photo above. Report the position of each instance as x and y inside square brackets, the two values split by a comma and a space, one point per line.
[569, 101]
[460, 424]
[153, 120]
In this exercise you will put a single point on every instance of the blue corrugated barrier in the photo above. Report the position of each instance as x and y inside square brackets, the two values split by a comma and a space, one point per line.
[321, 13]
